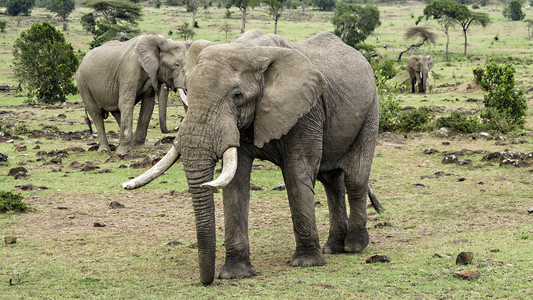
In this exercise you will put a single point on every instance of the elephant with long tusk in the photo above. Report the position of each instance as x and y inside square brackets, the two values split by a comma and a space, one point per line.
[309, 107]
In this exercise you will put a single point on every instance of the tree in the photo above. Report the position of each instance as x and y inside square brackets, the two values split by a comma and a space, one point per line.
[243, 6]
[3, 24]
[529, 29]
[45, 63]
[354, 23]
[422, 32]
[275, 7]
[62, 8]
[324, 5]
[112, 19]
[192, 6]
[513, 11]
[17, 7]
[472, 18]
[446, 12]
[185, 32]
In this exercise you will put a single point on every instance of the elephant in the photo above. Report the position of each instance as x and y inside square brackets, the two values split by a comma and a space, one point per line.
[114, 77]
[309, 107]
[419, 67]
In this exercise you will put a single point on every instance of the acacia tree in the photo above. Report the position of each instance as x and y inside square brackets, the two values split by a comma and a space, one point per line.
[422, 32]
[446, 13]
[112, 19]
[274, 8]
[62, 8]
[243, 6]
[45, 63]
[192, 6]
[354, 23]
[19, 7]
[472, 18]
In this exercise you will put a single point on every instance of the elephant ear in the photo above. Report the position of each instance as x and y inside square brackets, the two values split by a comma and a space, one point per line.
[193, 52]
[431, 62]
[148, 51]
[292, 86]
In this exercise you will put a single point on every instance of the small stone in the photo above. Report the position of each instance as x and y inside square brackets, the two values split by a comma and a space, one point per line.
[20, 175]
[464, 258]
[431, 151]
[21, 147]
[193, 245]
[116, 204]
[254, 187]
[15, 171]
[378, 258]
[442, 255]
[56, 169]
[383, 224]
[461, 179]
[530, 211]
[99, 224]
[174, 243]
[280, 188]
[458, 241]
[10, 240]
[62, 207]
[468, 274]
[494, 250]
[450, 159]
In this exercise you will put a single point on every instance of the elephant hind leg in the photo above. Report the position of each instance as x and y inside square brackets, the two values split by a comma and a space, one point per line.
[95, 112]
[333, 182]
[357, 173]
[413, 83]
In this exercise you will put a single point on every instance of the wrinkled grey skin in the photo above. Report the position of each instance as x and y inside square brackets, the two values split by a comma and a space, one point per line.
[114, 77]
[419, 67]
[311, 108]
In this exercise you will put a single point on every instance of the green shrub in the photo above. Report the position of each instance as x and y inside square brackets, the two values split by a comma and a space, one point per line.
[478, 75]
[389, 107]
[416, 120]
[387, 67]
[505, 105]
[10, 201]
[3, 25]
[459, 122]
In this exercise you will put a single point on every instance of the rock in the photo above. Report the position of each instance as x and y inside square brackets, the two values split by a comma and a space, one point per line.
[431, 151]
[76, 164]
[16, 170]
[254, 187]
[116, 204]
[104, 171]
[530, 211]
[99, 224]
[468, 274]
[417, 135]
[169, 139]
[193, 245]
[56, 168]
[3, 157]
[174, 243]
[391, 138]
[20, 175]
[450, 159]
[464, 258]
[280, 188]
[383, 224]
[378, 258]
[459, 241]
[494, 250]
[10, 240]
[442, 255]
[21, 147]
[486, 136]
[88, 168]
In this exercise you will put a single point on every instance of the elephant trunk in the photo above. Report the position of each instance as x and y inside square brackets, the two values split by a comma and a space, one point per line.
[163, 103]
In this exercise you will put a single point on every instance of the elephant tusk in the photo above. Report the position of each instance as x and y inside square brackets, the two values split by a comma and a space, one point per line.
[229, 168]
[164, 164]
[183, 97]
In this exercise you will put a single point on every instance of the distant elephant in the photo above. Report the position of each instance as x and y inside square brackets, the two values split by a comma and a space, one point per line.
[114, 77]
[419, 67]
[310, 107]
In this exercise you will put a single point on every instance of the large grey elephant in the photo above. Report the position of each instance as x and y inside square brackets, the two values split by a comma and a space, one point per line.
[114, 77]
[310, 107]
[419, 67]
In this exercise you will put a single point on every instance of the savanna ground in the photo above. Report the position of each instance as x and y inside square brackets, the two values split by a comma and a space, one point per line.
[430, 207]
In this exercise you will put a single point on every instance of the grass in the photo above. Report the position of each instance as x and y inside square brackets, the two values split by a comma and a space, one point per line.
[61, 255]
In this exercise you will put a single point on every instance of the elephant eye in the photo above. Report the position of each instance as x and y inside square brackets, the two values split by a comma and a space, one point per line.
[237, 95]
[177, 64]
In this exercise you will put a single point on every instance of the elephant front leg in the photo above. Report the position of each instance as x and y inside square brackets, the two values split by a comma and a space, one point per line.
[236, 207]
[147, 108]
[126, 130]
[299, 180]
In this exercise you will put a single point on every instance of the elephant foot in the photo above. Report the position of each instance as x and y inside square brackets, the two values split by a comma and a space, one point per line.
[307, 258]
[104, 148]
[334, 245]
[356, 240]
[122, 150]
[232, 270]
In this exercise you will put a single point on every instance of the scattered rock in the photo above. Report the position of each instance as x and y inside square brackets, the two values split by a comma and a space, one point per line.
[442, 255]
[3, 157]
[62, 207]
[494, 250]
[104, 171]
[21, 147]
[174, 243]
[169, 139]
[464, 258]
[17, 170]
[431, 151]
[530, 211]
[450, 159]
[378, 258]
[419, 185]
[254, 187]
[318, 203]
[391, 138]
[446, 143]
[56, 168]
[116, 204]
[20, 175]
[10, 240]
[459, 241]
[193, 245]
[383, 224]
[468, 274]
[76, 164]
[280, 188]
[88, 167]
[146, 163]
[99, 224]
[461, 179]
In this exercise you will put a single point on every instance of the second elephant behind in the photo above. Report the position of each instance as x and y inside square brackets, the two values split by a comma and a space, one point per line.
[419, 67]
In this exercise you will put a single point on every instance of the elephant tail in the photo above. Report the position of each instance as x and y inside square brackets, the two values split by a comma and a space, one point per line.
[374, 200]
[88, 122]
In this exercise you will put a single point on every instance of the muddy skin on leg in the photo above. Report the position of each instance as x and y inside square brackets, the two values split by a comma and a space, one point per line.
[333, 182]
[236, 208]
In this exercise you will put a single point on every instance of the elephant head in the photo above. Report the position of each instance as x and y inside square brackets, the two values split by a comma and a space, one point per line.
[163, 60]
[236, 93]
[419, 67]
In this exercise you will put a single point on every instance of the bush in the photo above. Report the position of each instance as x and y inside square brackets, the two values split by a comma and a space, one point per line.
[386, 67]
[389, 107]
[19, 7]
[48, 75]
[505, 106]
[415, 120]
[459, 122]
[513, 11]
[10, 201]
[3, 25]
